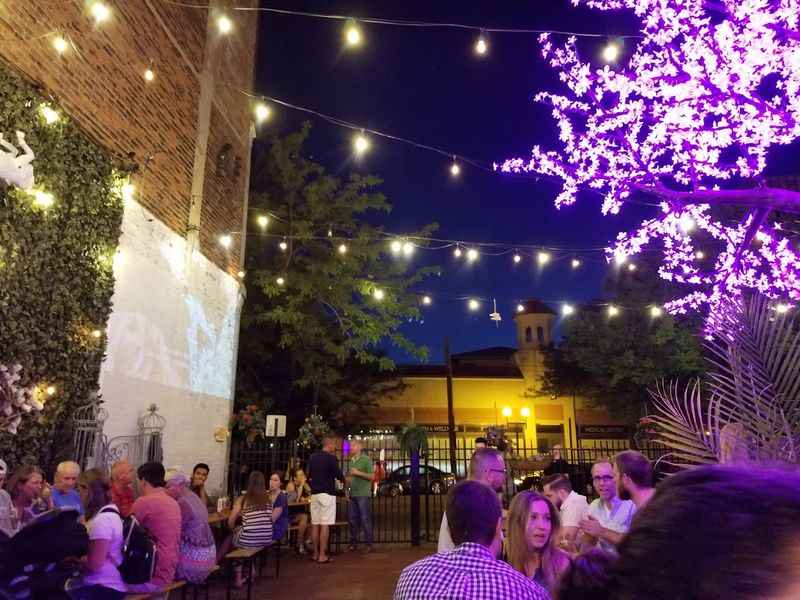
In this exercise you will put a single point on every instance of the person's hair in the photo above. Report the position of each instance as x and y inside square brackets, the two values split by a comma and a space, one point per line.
[177, 478]
[557, 482]
[603, 460]
[480, 440]
[21, 476]
[98, 488]
[473, 511]
[480, 458]
[257, 494]
[68, 465]
[553, 560]
[120, 464]
[152, 473]
[201, 466]
[636, 466]
[707, 532]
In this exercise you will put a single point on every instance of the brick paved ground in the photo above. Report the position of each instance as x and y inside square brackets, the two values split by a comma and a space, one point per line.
[352, 576]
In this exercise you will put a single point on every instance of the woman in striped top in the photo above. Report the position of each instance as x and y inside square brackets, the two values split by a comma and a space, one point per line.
[255, 509]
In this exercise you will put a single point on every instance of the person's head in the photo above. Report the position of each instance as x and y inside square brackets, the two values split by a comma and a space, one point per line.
[533, 522]
[300, 476]
[329, 443]
[480, 442]
[356, 446]
[474, 515]
[632, 471]
[178, 483]
[151, 476]
[95, 491]
[556, 488]
[555, 452]
[256, 494]
[26, 483]
[3, 473]
[275, 481]
[603, 479]
[122, 472]
[708, 532]
[66, 478]
[199, 476]
[488, 467]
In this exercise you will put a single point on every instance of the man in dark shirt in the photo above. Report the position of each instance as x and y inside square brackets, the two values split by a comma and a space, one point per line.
[323, 470]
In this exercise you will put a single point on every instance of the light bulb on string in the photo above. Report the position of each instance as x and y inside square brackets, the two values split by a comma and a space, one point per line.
[342, 248]
[455, 169]
[60, 44]
[224, 25]
[100, 12]
[96, 334]
[149, 75]
[472, 255]
[378, 294]
[43, 199]
[280, 281]
[426, 300]
[457, 252]
[473, 304]
[263, 112]
[225, 241]
[620, 259]
[263, 221]
[51, 390]
[656, 312]
[686, 223]
[631, 267]
[408, 249]
[240, 274]
[352, 34]
[543, 258]
[567, 310]
[575, 263]
[517, 258]
[613, 311]
[396, 247]
[283, 246]
[611, 52]
[782, 308]
[50, 116]
[481, 45]
[360, 144]
[520, 308]
[699, 255]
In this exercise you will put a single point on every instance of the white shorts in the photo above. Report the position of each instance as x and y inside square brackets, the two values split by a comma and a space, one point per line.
[323, 509]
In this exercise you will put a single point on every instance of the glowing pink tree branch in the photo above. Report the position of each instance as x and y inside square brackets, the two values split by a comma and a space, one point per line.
[709, 89]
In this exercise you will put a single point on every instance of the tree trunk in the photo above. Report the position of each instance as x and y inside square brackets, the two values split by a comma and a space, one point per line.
[415, 520]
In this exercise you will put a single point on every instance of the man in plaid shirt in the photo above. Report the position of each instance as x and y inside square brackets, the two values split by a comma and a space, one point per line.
[471, 571]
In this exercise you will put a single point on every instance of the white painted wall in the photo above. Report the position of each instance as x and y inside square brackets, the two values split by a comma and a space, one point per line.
[172, 341]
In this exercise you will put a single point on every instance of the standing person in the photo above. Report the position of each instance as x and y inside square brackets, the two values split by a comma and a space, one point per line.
[378, 476]
[122, 487]
[25, 488]
[101, 579]
[572, 506]
[532, 532]
[7, 518]
[199, 478]
[198, 552]
[280, 507]
[360, 479]
[486, 467]
[609, 517]
[480, 442]
[633, 475]
[160, 515]
[63, 493]
[471, 571]
[708, 533]
[323, 472]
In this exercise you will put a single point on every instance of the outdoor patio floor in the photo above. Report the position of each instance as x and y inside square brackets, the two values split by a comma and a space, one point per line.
[352, 575]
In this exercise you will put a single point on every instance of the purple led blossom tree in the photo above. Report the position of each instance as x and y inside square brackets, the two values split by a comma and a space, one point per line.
[688, 119]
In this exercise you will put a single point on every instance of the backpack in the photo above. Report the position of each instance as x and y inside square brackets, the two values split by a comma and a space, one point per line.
[138, 551]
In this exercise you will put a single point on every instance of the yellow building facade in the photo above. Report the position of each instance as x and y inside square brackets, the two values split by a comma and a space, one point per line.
[501, 386]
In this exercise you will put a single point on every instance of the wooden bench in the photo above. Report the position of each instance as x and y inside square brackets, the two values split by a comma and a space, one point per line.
[195, 588]
[242, 556]
[175, 585]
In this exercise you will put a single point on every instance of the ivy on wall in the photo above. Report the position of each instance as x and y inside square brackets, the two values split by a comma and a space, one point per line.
[56, 269]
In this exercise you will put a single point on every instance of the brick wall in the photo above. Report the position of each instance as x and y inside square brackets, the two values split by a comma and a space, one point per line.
[103, 88]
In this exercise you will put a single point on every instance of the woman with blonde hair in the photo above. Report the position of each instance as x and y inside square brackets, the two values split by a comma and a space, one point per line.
[532, 526]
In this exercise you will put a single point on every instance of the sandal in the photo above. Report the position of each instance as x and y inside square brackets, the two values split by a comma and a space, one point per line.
[327, 560]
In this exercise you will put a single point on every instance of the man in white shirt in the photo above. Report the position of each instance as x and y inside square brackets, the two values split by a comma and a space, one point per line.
[572, 506]
[487, 467]
[609, 517]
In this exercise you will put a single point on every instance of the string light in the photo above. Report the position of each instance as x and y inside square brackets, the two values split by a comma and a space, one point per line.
[782, 309]
[396, 247]
[342, 248]
[352, 35]
[699, 255]
[283, 246]
[50, 116]
[481, 47]
[100, 12]
[620, 260]
[51, 390]
[457, 252]
[280, 281]
[263, 112]
[517, 258]
[506, 411]
[472, 255]
[378, 294]
[656, 312]
[426, 300]
[575, 263]
[473, 304]
[455, 170]
[360, 144]
[686, 223]
[567, 310]
[611, 52]
[225, 241]
[96, 334]
[631, 267]
[613, 311]
[60, 44]
[263, 221]
[149, 75]
[543, 258]
[520, 308]
[525, 412]
[43, 199]
[408, 249]
[224, 25]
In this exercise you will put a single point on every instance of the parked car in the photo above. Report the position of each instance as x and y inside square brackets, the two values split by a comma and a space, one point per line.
[431, 480]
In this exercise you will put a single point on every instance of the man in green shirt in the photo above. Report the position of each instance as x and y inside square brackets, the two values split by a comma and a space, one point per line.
[360, 480]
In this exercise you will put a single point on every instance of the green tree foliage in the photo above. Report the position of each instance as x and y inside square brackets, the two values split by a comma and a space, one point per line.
[315, 336]
[56, 269]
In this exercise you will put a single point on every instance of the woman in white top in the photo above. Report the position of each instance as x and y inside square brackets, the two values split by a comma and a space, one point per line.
[101, 578]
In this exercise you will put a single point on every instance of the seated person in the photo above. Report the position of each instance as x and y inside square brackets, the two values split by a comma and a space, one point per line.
[63, 492]
[298, 490]
[199, 478]
[280, 508]
[198, 552]
[25, 488]
[122, 487]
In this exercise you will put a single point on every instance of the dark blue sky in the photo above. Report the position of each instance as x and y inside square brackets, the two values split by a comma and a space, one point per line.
[428, 85]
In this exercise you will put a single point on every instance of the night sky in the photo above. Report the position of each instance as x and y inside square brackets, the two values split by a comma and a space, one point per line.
[428, 85]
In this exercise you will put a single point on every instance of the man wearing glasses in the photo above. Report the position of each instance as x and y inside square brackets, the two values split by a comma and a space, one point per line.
[609, 517]
[487, 467]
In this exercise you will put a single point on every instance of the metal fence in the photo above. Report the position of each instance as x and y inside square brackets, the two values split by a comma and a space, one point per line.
[391, 501]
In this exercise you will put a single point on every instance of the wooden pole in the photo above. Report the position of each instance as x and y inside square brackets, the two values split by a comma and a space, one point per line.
[451, 419]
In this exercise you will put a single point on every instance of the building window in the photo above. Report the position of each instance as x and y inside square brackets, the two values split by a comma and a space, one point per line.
[540, 335]
[529, 335]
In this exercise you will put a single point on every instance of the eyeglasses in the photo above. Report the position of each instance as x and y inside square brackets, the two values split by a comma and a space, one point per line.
[603, 478]
[503, 471]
